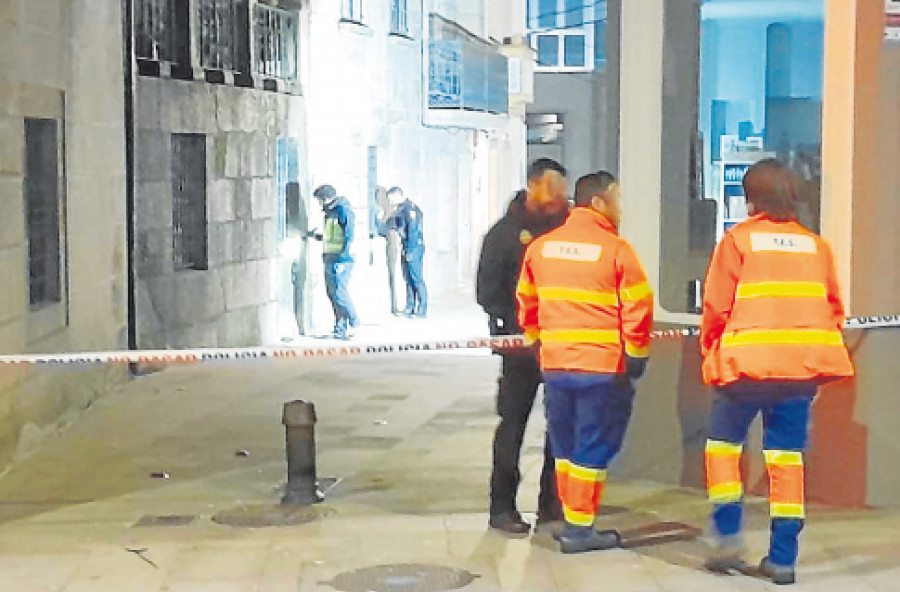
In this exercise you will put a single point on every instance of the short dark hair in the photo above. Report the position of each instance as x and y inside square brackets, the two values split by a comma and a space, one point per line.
[592, 184]
[772, 190]
[324, 192]
[395, 189]
[540, 166]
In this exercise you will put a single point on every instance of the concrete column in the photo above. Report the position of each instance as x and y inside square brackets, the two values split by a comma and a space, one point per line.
[854, 31]
[654, 135]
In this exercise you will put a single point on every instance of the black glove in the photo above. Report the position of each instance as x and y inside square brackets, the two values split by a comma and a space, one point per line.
[634, 367]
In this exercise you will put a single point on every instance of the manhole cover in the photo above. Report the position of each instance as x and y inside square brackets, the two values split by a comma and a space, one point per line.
[269, 515]
[165, 520]
[402, 577]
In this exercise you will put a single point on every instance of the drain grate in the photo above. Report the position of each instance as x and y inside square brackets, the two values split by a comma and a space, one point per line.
[165, 520]
[402, 577]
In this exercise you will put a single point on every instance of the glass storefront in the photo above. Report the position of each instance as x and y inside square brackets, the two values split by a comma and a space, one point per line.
[759, 95]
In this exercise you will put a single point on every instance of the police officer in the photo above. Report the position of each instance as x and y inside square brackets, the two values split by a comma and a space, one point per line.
[337, 237]
[407, 221]
[534, 211]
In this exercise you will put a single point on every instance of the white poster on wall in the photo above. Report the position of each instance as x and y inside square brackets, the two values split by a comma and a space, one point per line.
[892, 20]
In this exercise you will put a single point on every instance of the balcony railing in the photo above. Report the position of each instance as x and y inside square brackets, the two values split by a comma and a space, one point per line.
[465, 71]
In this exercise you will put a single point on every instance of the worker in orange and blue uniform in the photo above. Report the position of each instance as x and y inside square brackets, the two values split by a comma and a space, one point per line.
[584, 298]
[770, 335]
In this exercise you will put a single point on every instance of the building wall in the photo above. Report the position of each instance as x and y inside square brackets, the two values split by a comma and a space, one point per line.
[240, 299]
[62, 61]
[366, 88]
[581, 100]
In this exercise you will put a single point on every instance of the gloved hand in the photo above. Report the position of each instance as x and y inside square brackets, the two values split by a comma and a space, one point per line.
[634, 367]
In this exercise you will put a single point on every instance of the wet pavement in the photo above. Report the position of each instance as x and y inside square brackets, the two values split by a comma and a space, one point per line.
[405, 438]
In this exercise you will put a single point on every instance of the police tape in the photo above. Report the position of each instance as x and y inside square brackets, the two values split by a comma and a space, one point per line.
[201, 355]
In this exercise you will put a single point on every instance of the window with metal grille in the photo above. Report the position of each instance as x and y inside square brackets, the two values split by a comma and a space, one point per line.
[398, 17]
[276, 42]
[222, 28]
[42, 212]
[160, 30]
[352, 10]
[189, 221]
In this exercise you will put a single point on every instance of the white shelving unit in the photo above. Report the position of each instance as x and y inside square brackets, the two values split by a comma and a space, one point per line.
[731, 203]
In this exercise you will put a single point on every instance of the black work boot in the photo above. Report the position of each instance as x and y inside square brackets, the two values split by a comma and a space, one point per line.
[779, 574]
[510, 523]
[575, 539]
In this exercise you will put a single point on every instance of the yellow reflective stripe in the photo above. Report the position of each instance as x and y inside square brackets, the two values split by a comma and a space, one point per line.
[779, 510]
[783, 337]
[578, 295]
[635, 351]
[579, 518]
[532, 335]
[783, 457]
[722, 447]
[636, 292]
[781, 290]
[563, 464]
[587, 474]
[526, 288]
[580, 336]
[723, 493]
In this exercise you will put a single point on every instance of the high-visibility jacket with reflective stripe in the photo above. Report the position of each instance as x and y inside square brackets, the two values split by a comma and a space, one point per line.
[772, 307]
[583, 293]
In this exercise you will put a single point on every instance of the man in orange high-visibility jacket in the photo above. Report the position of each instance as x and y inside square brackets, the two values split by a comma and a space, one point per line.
[770, 334]
[584, 297]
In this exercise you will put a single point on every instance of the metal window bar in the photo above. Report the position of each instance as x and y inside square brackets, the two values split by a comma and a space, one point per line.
[42, 211]
[155, 30]
[218, 36]
[398, 17]
[276, 42]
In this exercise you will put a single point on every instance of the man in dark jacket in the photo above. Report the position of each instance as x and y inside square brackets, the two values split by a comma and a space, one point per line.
[533, 212]
[407, 221]
[337, 236]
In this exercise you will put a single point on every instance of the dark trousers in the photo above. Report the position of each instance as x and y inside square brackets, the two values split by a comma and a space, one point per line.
[416, 292]
[785, 415]
[337, 284]
[520, 377]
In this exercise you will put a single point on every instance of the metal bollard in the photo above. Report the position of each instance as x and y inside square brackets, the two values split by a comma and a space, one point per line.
[299, 419]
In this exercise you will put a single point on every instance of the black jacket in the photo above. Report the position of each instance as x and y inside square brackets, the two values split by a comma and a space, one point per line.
[501, 259]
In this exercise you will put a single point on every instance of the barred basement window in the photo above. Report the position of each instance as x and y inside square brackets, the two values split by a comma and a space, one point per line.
[398, 17]
[189, 221]
[352, 10]
[220, 34]
[160, 30]
[276, 42]
[42, 212]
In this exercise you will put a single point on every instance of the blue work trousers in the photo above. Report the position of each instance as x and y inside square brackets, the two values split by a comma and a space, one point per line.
[587, 414]
[785, 416]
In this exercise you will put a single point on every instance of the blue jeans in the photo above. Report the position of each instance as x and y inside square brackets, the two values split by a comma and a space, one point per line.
[587, 414]
[416, 292]
[337, 284]
[785, 414]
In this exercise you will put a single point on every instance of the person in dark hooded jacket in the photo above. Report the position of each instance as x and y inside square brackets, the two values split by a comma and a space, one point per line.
[532, 212]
